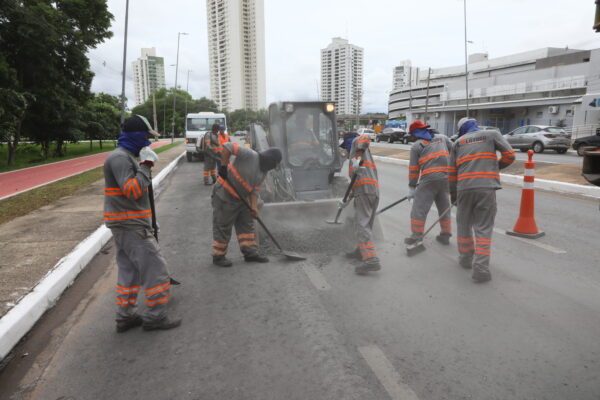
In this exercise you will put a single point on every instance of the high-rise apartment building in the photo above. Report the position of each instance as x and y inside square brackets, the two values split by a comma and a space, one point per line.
[236, 53]
[342, 76]
[148, 74]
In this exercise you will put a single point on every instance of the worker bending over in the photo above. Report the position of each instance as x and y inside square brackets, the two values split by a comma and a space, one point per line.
[474, 179]
[365, 192]
[213, 145]
[428, 181]
[128, 214]
[241, 177]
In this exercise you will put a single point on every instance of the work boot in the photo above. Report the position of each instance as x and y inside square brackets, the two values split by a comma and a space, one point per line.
[366, 267]
[354, 254]
[411, 240]
[466, 263]
[161, 324]
[222, 261]
[481, 275]
[443, 238]
[256, 258]
[126, 324]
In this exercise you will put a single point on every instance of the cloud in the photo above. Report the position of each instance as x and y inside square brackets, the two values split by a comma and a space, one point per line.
[428, 32]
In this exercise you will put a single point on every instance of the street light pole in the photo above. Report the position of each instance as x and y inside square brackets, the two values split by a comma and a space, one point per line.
[187, 89]
[124, 63]
[466, 61]
[175, 91]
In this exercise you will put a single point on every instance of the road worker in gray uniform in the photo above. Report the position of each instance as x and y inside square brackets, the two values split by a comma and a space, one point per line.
[240, 177]
[127, 212]
[474, 179]
[213, 146]
[365, 193]
[428, 181]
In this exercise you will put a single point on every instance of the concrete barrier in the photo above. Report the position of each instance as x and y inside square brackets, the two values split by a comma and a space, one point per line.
[21, 318]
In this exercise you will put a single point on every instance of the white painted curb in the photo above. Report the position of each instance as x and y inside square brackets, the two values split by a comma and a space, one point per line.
[543, 184]
[19, 320]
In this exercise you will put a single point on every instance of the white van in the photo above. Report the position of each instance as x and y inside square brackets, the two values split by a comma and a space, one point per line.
[196, 125]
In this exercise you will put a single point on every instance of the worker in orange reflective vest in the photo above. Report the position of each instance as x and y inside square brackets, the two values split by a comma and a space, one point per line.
[213, 145]
[365, 192]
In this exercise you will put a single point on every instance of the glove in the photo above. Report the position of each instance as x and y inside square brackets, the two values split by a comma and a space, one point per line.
[452, 197]
[411, 192]
[148, 156]
[342, 204]
[223, 171]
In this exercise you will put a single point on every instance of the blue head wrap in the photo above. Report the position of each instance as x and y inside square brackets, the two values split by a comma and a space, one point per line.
[133, 141]
[422, 133]
[469, 126]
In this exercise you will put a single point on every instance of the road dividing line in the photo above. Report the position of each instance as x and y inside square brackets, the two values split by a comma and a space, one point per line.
[387, 375]
[544, 246]
[316, 277]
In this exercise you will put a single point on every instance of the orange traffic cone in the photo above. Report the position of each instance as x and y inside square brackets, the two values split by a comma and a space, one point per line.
[526, 226]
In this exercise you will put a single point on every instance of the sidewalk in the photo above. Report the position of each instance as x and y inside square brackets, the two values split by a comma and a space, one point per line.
[21, 180]
[31, 245]
[568, 173]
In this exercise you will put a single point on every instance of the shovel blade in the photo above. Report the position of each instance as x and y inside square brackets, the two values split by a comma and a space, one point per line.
[293, 256]
[416, 249]
[333, 222]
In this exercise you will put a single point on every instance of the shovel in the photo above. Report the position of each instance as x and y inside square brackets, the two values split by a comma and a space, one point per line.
[419, 246]
[392, 205]
[154, 224]
[288, 254]
[339, 211]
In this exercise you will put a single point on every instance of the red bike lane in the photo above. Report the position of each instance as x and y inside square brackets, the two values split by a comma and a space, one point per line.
[19, 181]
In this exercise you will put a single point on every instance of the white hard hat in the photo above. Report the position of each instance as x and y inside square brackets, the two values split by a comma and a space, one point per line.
[462, 122]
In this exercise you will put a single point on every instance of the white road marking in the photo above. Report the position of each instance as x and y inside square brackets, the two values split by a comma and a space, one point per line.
[387, 375]
[544, 246]
[316, 277]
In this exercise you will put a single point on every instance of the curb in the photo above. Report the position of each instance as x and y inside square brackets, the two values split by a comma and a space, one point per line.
[542, 184]
[21, 318]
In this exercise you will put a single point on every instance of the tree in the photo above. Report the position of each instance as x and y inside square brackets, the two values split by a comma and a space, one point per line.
[45, 42]
[102, 118]
[238, 120]
[164, 109]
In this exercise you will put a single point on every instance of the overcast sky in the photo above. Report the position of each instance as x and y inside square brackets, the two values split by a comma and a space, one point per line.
[428, 32]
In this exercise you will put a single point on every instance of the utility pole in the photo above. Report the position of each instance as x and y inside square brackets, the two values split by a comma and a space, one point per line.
[466, 62]
[154, 112]
[187, 88]
[597, 19]
[124, 63]
[175, 91]
[427, 96]
[410, 90]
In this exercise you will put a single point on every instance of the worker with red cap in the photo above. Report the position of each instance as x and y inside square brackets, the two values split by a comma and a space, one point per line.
[428, 181]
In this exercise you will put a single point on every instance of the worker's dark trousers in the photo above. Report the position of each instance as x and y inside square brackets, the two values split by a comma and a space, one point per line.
[140, 266]
[226, 215]
[210, 169]
[475, 214]
[425, 195]
[364, 206]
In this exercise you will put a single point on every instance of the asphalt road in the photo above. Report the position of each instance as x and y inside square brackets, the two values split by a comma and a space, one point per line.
[418, 329]
[549, 156]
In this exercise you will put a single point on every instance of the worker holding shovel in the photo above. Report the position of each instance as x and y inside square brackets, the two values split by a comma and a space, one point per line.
[365, 192]
[428, 181]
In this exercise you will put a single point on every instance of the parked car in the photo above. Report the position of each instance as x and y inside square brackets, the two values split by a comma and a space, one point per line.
[239, 133]
[580, 143]
[539, 138]
[391, 135]
[367, 131]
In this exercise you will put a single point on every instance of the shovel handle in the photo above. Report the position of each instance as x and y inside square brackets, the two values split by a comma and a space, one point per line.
[392, 205]
[438, 220]
[153, 208]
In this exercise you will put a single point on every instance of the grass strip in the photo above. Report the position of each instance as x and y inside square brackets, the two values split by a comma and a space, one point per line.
[31, 200]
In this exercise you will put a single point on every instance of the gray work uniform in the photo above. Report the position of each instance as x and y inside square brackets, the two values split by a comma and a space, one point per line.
[128, 214]
[365, 192]
[213, 145]
[245, 175]
[429, 167]
[475, 177]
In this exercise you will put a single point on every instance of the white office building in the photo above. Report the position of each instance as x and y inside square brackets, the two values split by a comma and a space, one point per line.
[148, 75]
[548, 86]
[405, 75]
[236, 53]
[342, 76]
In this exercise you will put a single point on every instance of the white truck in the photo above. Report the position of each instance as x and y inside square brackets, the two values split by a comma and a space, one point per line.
[196, 126]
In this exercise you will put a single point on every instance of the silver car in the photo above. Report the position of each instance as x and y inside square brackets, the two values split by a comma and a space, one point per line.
[538, 138]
